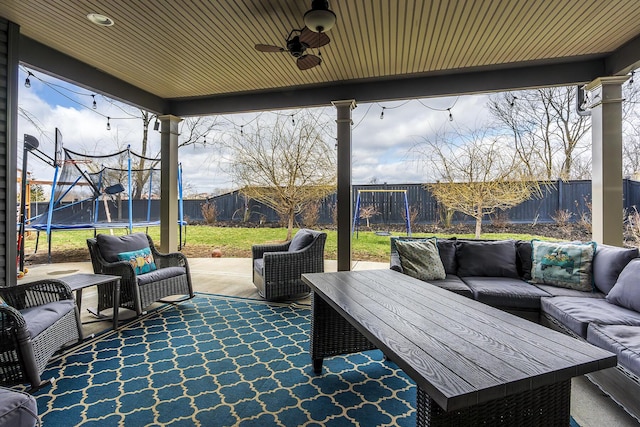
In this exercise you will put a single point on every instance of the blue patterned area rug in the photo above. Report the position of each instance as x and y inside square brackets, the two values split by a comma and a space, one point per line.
[221, 361]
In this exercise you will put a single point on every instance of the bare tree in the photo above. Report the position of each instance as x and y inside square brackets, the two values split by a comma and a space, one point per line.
[548, 135]
[368, 212]
[284, 164]
[478, 174]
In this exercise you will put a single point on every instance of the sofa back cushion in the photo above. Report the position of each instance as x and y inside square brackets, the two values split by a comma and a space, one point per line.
[446, 249]
[523, 259]
[608, 263]
[486, 258]
[111, 246]
[563, 264]
[626, 291]
[420, 259]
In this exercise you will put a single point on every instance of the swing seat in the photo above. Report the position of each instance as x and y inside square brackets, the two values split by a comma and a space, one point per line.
[382, 233]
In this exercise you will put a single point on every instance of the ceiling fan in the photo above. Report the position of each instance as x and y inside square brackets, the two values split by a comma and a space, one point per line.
[318, 20]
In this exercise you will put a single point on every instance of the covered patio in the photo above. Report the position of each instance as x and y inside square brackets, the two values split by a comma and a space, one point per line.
[198, 58]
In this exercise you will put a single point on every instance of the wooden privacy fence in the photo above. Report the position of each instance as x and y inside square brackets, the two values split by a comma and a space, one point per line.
[571, 196]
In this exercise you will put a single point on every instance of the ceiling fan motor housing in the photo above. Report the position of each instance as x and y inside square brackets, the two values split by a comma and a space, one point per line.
[296, 47]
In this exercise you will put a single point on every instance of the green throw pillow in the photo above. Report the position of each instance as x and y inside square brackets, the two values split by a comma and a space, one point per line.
[420, 259]
[566, 265]
[141, 260]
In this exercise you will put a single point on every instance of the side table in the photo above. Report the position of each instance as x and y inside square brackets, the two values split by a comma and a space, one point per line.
[77, 282]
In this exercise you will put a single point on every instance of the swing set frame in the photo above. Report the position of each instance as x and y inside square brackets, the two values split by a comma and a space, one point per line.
[356, 215]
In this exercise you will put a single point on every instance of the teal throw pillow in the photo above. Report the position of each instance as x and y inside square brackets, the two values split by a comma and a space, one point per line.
[566, 265]
[141, 260]
[421, 259]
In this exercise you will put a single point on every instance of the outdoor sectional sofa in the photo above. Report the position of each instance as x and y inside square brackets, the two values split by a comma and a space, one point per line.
[518, 277]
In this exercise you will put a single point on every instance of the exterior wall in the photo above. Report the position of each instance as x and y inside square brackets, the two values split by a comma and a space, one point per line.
[9, 34]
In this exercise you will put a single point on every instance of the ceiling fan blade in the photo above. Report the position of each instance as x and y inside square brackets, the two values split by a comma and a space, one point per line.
[313, 39]
[308, 61]
[269, 48]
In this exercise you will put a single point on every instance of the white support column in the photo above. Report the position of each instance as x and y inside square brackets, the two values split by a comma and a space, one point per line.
[169, 183]
[344, 197]
[605, 94]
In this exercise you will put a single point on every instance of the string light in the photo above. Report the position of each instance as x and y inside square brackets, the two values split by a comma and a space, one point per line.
[293, 122]
[382, 113]
[513, 101]
[450, 115]
[156, 125]
[95, 105]
[27, 81]
[108, 123]
[631, 80]
[241, 130]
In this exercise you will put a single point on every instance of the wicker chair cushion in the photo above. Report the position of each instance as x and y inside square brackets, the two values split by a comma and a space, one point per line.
[622, 340]
[505, 292]
[111, 246]
[17, 409]
[160, 274]
[302, 239]
[258, 266]
[608, 263]
[577, 313]
[41, 317]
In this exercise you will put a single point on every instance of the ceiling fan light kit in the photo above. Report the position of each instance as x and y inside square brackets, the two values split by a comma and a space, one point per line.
[320, 18]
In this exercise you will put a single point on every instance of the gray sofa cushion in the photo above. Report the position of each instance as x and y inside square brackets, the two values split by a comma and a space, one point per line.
[486, 258]
[622, 340]
[523, 258]
[160, 274]
[17, 409]
[505, 292]
[454, 284]
[576, 313]
[447, 249]
[626, 292]
[41, 317]
[608, 263]
[556, 291]
[111, 246]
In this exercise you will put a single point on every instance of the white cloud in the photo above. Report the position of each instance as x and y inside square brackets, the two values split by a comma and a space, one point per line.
[380, 147]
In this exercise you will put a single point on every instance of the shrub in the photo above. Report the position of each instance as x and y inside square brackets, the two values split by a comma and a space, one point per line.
[311, 214]
[209, 213]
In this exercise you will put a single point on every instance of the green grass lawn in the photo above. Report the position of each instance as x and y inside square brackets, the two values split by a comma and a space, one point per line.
[237, 241]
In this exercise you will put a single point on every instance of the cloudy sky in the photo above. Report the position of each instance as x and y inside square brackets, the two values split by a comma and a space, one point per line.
[380, 146]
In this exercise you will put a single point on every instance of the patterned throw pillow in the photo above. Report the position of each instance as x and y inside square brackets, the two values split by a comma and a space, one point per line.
[566, 265]
[2, 301]
[420, 259]
[141, 260]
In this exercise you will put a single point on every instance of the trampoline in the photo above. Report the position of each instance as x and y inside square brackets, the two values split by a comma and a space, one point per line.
[87, 195]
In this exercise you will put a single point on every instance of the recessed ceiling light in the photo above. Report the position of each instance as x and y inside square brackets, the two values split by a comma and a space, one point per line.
[101, 20]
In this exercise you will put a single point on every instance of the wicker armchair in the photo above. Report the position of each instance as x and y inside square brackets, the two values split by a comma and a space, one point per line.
[137, 291]
[277, 267]
[38, 320]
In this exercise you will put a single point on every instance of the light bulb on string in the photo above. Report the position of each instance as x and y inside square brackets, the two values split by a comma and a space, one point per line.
[156, 125]
[631, 80]
[95, 105]
[27, 81]
[293, 122]
[108, 123]
[241, 130]
[513, 101]
[450, 115]
[382, 113]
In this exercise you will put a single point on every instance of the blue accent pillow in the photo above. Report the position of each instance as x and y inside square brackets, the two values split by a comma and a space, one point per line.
[566, 265]
[141, 260]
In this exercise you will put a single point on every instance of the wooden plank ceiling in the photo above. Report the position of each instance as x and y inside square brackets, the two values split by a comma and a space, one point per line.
[180, 49]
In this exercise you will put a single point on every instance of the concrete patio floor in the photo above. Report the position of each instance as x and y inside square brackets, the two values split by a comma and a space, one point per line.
[232, 276]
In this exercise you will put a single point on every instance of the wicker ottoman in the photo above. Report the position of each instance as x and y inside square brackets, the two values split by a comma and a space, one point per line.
[17, 409]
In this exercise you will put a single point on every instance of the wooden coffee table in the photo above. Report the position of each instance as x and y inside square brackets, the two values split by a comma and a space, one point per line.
[473, 364]
[77, 282]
